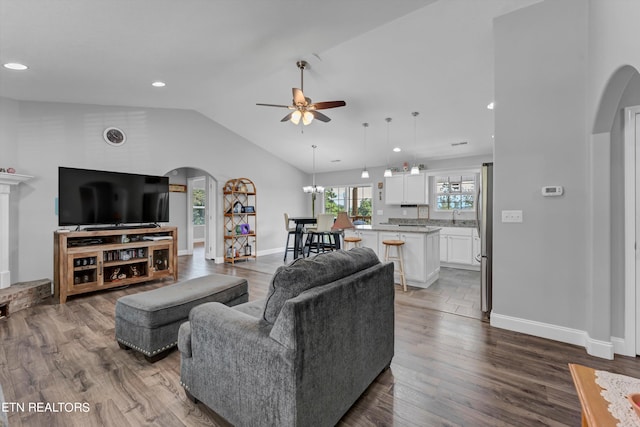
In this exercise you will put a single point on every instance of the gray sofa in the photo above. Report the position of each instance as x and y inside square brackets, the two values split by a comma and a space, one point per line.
[303, 355]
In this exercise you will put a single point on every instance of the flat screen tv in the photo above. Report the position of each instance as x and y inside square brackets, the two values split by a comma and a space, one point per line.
[93, 197]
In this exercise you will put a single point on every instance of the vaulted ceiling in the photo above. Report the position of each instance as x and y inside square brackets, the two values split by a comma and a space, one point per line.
[221, 57]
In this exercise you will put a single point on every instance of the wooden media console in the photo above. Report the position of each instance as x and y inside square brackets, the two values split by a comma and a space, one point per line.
[88, 261]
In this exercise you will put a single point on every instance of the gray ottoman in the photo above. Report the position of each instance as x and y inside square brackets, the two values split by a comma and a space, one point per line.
[149, 321]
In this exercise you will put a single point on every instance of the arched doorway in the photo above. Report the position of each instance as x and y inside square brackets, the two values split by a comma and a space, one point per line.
[613, 261]
[195, 210]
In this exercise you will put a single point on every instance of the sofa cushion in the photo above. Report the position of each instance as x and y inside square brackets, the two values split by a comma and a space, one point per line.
[291, 280]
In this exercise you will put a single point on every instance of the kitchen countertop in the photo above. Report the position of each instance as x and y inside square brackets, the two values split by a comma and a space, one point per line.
[466, 223]
[404, 228]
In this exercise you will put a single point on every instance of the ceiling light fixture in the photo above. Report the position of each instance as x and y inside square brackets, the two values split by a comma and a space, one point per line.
[365, 172]
[491, 105]
[415, 170]
[387, 171]
[15, 66]
[313, 188]
[158, 84]
[397, 149]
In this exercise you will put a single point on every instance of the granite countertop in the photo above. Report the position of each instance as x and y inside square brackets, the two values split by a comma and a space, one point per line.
[423, 222]
[404, 228]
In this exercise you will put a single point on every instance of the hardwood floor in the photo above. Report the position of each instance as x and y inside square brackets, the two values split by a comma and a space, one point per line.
[448, 369]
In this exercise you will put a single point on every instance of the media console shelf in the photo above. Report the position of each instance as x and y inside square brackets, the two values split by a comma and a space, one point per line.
[88, 261]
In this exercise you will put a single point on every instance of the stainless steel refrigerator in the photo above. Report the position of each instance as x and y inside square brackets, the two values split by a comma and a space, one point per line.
[484, 219]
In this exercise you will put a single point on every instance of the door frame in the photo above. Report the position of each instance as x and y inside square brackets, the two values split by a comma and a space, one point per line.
[632, 297]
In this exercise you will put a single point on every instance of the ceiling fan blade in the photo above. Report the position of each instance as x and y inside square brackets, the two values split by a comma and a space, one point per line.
[274, 105]
[298, 97]
[327, 104]
[319, 116]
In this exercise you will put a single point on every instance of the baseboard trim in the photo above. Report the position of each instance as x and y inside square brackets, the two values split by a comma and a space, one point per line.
[598, 348]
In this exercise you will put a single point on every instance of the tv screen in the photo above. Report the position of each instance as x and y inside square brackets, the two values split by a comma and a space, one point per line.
[92, 197]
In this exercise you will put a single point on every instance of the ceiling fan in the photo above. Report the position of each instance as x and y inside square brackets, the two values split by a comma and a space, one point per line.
[302, 106]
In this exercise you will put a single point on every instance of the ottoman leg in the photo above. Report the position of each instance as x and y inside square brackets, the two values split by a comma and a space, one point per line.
[158, 356]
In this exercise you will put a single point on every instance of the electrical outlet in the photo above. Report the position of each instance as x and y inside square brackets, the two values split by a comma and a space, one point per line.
[511, 216]
[404, 212]
[380, 212]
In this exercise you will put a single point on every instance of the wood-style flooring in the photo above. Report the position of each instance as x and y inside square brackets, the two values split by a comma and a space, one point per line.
[448, 369]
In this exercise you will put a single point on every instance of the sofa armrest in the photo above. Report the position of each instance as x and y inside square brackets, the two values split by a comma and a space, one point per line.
[236, 367]
[184, 339]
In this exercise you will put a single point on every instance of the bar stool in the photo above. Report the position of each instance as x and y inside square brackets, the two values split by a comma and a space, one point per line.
[353, 240]
[322, 239]
[291, 231]
[399, 257]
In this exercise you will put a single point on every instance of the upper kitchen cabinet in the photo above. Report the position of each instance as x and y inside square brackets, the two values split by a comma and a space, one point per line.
[407, 189]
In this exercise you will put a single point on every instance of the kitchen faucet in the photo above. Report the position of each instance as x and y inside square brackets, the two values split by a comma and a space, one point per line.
[453, 215]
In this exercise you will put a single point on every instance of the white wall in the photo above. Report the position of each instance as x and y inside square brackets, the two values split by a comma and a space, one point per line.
[42, 136]
[540, 265]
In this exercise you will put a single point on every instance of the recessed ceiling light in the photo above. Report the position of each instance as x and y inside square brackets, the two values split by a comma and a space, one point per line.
[397, 149]
[158, 84]
[490, 105]
[15, 66]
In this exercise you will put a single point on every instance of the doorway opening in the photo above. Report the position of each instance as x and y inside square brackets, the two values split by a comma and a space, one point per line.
[194, 211]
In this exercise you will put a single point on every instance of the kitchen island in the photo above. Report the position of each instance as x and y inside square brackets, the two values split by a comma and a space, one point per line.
[421, 249]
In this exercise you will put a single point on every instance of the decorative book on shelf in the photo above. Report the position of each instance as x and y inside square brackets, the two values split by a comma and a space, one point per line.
[240, 218]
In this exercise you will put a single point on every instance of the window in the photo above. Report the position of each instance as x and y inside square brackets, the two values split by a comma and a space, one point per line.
[455, 192]
[356, 201]
[198, 206]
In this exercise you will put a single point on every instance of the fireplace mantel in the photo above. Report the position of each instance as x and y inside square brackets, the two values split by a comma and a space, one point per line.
[13, 178]
[7, 180]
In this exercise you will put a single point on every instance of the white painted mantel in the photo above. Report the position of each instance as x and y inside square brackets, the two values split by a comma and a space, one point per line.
[7, 180]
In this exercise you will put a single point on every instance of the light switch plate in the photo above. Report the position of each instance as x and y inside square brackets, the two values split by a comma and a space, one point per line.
[511, 216]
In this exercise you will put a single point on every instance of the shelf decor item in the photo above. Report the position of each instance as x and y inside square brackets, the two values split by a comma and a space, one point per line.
[239, 207]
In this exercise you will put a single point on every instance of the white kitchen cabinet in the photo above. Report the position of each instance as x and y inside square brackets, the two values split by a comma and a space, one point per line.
[458, 247]
[369, 239]
[407, 189]
[421, 259]
[444, 246]
[394, 190]
[433, 261]
[414, 253]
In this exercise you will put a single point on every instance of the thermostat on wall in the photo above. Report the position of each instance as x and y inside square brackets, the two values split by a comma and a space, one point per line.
[552, 190]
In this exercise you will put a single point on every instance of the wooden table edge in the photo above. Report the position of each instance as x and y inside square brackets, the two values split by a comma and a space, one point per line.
[595, 408]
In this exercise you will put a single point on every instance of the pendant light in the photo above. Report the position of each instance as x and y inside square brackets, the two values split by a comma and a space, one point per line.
[387, 171]
[313, 188]
[415, 170]
[365, 172]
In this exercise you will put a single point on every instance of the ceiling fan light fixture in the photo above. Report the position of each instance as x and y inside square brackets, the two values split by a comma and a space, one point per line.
[295, 117]
[307, 118]
[305, 109]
